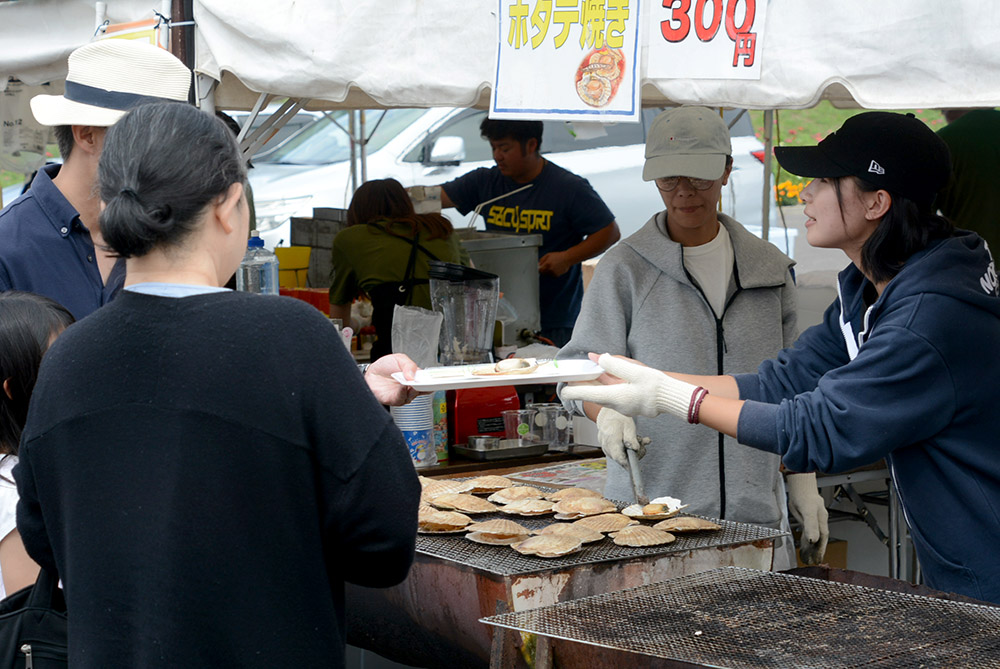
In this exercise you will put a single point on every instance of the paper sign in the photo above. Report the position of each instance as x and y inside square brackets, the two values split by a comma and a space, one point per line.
[570, 60]
[22, 138]
[147, 30]
[706, 39]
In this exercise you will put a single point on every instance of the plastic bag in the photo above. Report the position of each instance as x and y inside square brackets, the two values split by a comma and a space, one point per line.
[415, 332]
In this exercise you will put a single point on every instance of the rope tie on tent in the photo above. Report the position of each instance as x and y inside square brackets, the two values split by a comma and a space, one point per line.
[165, 20]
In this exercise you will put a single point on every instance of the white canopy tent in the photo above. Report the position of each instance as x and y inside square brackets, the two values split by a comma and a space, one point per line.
[364, 54]
[893, 54]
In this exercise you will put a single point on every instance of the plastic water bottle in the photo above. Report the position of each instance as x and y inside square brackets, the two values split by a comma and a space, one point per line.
[258, 271]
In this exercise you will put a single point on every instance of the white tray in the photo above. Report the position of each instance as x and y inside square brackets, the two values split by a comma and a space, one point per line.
[461, 376]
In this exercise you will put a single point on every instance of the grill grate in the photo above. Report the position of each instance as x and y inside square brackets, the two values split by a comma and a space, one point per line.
[505, 561]
[734, 617]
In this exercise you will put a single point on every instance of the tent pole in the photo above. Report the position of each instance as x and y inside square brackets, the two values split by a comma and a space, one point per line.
[100, 15]
[364, 147]
[163, 36]
[765, 208]
[354, 158]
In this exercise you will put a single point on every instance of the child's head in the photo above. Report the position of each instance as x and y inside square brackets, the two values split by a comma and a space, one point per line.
[29, 323]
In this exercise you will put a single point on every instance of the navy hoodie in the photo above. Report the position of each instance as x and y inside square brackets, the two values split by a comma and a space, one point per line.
[913, 379]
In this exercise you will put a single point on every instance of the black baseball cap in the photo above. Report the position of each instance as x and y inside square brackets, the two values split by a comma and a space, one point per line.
[895, 152]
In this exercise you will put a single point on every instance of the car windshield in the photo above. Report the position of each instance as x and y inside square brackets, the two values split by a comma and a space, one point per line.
[326, 140]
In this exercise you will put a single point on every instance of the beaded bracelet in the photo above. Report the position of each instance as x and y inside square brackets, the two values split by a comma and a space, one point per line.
[696, 399]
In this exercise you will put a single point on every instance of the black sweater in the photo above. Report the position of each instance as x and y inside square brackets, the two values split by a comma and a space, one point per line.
[205, 473]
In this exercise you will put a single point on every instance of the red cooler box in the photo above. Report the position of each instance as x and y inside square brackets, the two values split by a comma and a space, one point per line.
[478, 411]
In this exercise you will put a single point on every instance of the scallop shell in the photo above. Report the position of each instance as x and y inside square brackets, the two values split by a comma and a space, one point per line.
[606, 522]
[495, 539]
[570, 493]
[515, 494]
[488, 484]
[686, 524]
[499, 526]
[441, 522]
[584, 534]
[528, 507]
[584, 506]
[548, 545]
[642, 535]
[636, 511]
[424, 481]
[444, 487]
[508, 366]
[464, 502]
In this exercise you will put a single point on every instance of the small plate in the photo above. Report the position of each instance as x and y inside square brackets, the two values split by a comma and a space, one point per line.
[461, 376]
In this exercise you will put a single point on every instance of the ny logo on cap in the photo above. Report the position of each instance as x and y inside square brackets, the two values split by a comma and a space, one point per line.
[876, 168]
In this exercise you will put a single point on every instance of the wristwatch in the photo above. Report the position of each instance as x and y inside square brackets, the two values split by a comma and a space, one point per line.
[363, 367]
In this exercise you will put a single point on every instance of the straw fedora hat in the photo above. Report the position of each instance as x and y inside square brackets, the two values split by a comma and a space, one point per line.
[107, 78]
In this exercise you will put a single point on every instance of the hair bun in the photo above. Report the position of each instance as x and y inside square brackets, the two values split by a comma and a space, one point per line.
[129, 193]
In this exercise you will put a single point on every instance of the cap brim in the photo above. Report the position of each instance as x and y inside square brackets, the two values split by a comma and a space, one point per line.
[56, 110]
[808, 161]
[697, 166]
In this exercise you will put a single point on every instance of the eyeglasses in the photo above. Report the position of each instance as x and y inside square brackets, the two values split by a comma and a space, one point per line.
[667, 184]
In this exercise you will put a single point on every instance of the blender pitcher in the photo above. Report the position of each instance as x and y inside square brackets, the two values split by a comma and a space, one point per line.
[467, 298]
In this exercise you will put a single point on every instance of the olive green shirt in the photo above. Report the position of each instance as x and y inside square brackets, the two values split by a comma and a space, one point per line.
[364, 256]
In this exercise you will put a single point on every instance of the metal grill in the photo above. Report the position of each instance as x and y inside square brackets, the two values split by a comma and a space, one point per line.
[505, 561]
[734, 617]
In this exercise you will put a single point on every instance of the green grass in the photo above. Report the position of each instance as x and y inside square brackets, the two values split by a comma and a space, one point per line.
[8, 178]
[806, 127]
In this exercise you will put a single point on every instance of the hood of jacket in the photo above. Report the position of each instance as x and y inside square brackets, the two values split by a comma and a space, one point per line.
[958, 267]
[758, 265]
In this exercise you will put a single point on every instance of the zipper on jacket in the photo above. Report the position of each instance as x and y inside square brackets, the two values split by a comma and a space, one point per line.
[720, 353]
[42, 651]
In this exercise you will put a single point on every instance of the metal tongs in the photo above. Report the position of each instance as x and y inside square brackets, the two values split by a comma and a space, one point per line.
[636, 476]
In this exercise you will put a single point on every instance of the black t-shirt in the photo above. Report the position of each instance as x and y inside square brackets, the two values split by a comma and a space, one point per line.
[561, 206]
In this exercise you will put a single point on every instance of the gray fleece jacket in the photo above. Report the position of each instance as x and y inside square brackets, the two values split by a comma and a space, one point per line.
[643, 304]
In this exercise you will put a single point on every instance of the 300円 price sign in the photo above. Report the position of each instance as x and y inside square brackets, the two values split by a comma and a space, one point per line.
[706, 39]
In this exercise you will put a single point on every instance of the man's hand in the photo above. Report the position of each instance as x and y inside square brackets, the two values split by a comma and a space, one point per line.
[806, 504]
[385, 388]
[554, 264]
[615, 433]
[646, 391]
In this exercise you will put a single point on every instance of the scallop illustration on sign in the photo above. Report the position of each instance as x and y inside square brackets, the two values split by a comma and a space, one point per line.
[599, 75]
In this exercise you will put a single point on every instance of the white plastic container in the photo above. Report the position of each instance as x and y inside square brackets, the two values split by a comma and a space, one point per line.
[258, 272]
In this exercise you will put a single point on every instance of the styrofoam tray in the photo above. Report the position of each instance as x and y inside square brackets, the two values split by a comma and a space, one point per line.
[461, 376]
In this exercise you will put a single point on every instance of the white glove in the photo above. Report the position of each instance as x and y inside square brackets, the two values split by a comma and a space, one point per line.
[615, 433]
[806, 504]
[648, 392]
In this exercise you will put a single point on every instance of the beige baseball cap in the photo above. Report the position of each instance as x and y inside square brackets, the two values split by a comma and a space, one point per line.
[687, 142]
[107, 78]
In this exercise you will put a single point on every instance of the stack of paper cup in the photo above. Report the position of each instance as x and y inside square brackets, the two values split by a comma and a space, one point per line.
[416, 421]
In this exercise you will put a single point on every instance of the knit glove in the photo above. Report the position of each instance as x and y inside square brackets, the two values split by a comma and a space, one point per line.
[806, 504]
[615, 433]
[646, 391]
